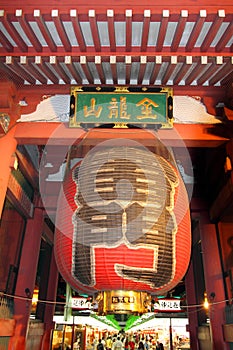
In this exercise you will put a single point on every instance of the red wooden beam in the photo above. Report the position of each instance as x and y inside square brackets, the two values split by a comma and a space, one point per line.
[10, 74]
[94, 30]
[195, 33]
[211, 33]
[208, 73]
[100, 71]
[29, 33]
[162, 33]
[225, 38]
[45, 32]
[141, 72]
[181, 73]
[222, 73]
[128, 67]
[5, 43]
[45, 69]
[175, 6]
[18, 69]
[13, 33]
[87, 73]
[182, 135]
[62, 33]
[228, 79]
[195, 72]
[155, 73]
[31, 68]
[145, 31]
[78, 33]
[179, 31]
[168, 73]
[114, 71]
[111, 30]
[58, 68]
[73, 71]
[128, 31]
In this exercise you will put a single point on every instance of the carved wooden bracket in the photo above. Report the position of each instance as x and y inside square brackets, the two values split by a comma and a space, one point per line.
[9, 108]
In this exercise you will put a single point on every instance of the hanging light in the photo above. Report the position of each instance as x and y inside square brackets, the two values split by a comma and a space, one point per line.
[35, 297]
[123, 221]
[206, 302]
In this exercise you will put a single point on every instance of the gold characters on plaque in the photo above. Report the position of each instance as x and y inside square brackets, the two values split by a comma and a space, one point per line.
[119, 109]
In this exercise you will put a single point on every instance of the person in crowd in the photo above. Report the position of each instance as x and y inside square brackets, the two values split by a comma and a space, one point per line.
[159, 346]
[140, 345]
[94, 344]
[100, 345]
[126, 344]
[146, 344]
[103, 342]
[109, 343]
[131, 344]
[117, 345]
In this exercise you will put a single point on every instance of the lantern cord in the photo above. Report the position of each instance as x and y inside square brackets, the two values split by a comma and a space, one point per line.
[30, 299]
[2, 294]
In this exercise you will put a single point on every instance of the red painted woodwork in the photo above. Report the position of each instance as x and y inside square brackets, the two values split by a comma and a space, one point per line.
[59, 134]
[7, 148]
[7, 327]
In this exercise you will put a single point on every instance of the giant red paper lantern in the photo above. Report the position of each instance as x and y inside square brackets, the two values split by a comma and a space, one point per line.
[123, 221]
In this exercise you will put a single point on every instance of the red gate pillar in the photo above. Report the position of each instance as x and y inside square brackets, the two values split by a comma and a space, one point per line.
[213, 280]
[50, 306]
[26, 279]
[192, 311]
[7, 148]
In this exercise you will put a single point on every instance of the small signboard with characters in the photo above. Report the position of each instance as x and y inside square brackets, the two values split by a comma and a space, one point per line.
[80, 303]
[167, 305]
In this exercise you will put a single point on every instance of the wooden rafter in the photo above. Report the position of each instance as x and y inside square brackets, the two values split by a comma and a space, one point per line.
[62, 33]
[31, 68]
[111, 31]
[211, 33]
[42, 65]
[155, 72]
[182, 72]
[73, 71]
[13, 33]
[222, 73]
[141, 72]
[29, 33]
[145, 31]
[208, 73]
[162, 33]
[128, 32]
[94, 31]
[53, 56]
[195, 72]
[45, 32]
[78, 33]
[168, 73]
[225, 38]
[195, 34]
[179, 32]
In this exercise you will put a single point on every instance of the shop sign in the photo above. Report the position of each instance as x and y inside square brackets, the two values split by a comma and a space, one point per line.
[120, 301]
[121, 107]
[168, 305]
[80, 303]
